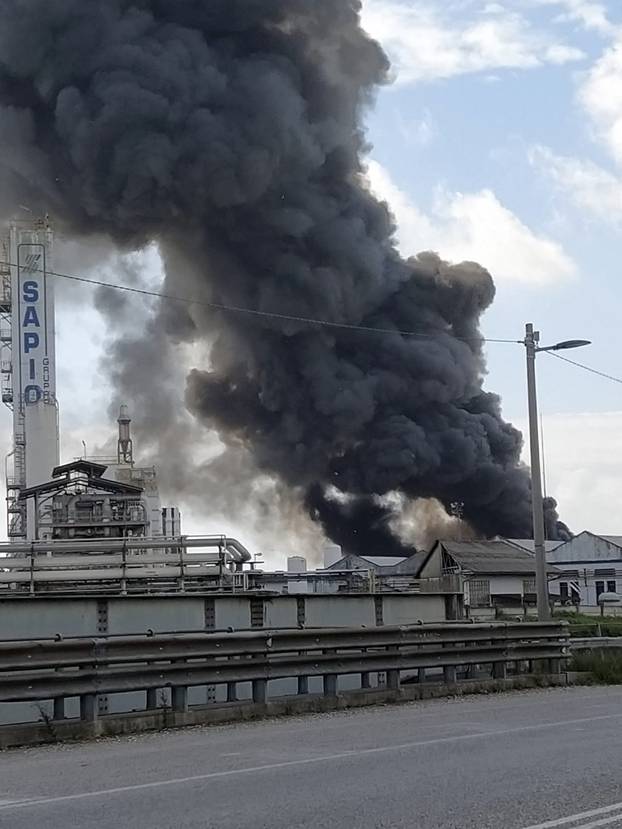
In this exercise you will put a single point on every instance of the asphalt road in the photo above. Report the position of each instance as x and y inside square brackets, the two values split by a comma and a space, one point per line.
[539, 759]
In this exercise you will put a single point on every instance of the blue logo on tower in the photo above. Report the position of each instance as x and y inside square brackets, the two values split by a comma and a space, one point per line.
[35, 362]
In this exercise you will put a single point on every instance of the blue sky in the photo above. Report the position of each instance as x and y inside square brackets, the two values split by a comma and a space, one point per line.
[500, 140]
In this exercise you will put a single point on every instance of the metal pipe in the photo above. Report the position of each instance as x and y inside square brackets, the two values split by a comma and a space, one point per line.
[234, 547]
[89, 546]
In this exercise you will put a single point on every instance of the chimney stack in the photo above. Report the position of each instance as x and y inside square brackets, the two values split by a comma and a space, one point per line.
[124, 446]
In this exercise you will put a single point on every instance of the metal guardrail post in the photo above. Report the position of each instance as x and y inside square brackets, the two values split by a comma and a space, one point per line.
[232, 691]
[152, 699]
[330, 681]
[303, 685]
[180, 699]
[330, 685]
[366, 680]
[449, 674]
[260, 691]
[393, 680]
[88, 708]
[499, 670]
[393, 674]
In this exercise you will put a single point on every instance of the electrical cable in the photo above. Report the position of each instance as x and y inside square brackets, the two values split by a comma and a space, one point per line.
[584, 367]
[254, 312]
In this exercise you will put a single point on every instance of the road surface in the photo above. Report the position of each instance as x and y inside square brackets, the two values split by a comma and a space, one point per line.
[540, 759]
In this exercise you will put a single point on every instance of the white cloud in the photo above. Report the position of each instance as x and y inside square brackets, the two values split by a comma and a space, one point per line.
[601, 97]
[586, 479]
[559, 54]
[589, 14]
[477, 227]
[592, 188]
[427, 41]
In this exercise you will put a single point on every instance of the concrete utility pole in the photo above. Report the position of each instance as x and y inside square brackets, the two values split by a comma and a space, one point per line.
[532, 338]
[532, 347]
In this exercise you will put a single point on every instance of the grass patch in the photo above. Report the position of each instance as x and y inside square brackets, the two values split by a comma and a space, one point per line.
[604, 666]
[582, 625]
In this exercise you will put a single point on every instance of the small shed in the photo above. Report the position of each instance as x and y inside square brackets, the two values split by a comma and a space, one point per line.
[497, 575]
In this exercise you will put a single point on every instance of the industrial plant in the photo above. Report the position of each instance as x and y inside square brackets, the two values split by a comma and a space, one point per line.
[102, 498]
[98, 523]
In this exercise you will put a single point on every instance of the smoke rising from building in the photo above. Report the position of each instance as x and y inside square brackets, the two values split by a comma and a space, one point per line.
[230, 133]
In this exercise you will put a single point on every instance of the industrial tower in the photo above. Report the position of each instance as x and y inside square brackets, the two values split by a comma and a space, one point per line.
[27, 365]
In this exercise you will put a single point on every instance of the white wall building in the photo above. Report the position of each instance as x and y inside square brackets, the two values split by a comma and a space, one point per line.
[590, 565]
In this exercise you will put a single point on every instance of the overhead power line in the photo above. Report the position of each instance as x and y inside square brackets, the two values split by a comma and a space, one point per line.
[585, 368]
[233, 309]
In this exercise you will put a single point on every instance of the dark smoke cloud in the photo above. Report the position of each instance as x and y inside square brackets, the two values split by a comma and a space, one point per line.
[554, 529]
[229, 132]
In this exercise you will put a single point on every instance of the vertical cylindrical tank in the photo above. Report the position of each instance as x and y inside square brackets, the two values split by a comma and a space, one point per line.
[124, 421]
[124, 451]
[296, 564]
[332, 554]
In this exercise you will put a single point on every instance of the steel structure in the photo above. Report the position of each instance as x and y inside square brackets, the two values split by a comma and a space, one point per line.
[28, 388]
[27, 364]
[124, 566]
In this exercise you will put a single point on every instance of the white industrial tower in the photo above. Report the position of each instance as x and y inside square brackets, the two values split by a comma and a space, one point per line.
[27, 364]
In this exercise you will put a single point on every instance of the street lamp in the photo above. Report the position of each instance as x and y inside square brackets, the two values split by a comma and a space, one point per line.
[532, 339]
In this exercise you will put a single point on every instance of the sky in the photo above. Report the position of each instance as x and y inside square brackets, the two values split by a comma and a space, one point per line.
[499, 140]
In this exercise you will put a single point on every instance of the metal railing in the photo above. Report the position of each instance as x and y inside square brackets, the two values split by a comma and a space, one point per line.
[134, 564]
[36, 671]
[121, 572]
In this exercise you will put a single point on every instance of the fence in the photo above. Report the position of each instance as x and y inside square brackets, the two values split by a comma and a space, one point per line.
[36, 671]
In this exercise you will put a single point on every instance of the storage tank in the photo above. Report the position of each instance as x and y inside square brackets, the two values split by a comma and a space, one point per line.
[332, 554]
[296, 564]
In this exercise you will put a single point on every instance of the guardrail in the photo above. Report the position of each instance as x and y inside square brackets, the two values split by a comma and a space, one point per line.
[37, 671]
[595, 643]
[596, 628]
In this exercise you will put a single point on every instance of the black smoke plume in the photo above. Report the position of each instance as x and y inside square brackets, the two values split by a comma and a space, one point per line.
[230, 133]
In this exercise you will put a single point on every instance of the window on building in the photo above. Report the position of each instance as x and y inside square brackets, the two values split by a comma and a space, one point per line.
[479, 592]
[611, 587]
[529, 586]
[563, 590]
[600, 588]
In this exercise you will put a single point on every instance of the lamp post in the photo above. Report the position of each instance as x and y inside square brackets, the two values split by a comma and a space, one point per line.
[532, 347]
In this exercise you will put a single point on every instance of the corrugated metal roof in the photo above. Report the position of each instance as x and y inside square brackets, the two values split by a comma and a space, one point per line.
[383, 561]
[411, 565]
[529, 544]
[616, 540]
[497, 557]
